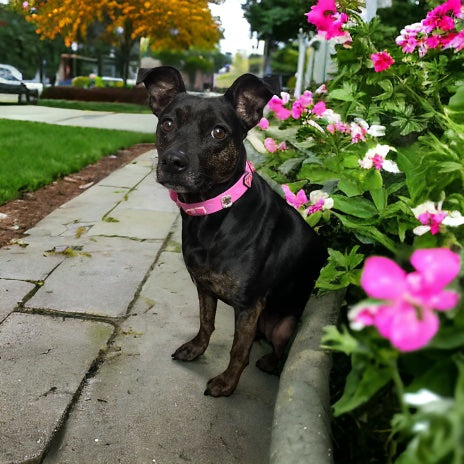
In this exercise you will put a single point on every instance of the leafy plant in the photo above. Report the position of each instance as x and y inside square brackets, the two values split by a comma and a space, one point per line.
[374, 161]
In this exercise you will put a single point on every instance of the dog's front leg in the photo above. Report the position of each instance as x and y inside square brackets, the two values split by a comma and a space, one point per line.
[245, 330]
[197, 346]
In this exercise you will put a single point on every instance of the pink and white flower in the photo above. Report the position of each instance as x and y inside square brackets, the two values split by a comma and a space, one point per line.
[320, 201]
[376, 158]
[406, 313]
[431, 217]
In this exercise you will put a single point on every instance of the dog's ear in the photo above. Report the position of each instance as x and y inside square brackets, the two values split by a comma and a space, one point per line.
[249, 95]
[163, 84]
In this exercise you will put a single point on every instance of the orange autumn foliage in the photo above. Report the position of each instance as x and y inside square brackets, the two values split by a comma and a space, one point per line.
[169, 24]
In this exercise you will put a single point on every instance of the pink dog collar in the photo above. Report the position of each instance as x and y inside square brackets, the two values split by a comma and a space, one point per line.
[220, 202]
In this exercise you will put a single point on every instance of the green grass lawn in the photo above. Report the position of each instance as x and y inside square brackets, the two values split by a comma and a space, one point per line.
[34, 154]
[95, 106]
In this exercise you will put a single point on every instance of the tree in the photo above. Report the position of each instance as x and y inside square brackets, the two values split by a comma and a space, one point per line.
[276, 21]
[172, 24]
[25, 50]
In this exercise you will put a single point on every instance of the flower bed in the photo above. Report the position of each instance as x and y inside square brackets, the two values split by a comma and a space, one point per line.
[374, 161]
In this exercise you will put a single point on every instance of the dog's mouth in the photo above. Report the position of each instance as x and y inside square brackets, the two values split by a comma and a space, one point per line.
[185, 183]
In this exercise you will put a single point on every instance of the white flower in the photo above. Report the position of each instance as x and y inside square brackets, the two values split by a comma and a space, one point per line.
[420, 398]
[454, 219]
[331, 116]
[285, 97]
[374, 130]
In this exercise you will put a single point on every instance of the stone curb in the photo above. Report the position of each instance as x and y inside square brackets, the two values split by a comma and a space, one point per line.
[301, 426]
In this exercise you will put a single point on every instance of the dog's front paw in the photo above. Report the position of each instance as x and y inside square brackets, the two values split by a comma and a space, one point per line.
[188, 351]
[220, 386]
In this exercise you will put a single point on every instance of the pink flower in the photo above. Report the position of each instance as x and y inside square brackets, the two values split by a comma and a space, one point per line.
[319, 108]
[297, 109]
[272, 147]
[434, 41]
[263, 124]
[438, 18]
[382, 61]
[297, 200]
[456, 41]
[406, 314]
[300, 105]
[276, 105]
[316, 207]
[328, 21]
[270, 144]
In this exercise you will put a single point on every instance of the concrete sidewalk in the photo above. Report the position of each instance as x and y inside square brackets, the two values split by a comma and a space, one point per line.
[90, 313]
[67, 117]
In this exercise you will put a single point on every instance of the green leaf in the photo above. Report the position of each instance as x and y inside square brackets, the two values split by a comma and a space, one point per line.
[351, 161]
[372, 179]
[358, 206]
[388, 87]
[339, 340]
[343, 94]
[350, 186]
[316, 174]
[379, 197]
[448, 338]
[290, 165]
[361, 385]
[456, 102]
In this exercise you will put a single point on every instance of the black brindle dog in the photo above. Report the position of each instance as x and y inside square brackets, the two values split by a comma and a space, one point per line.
[241, 242]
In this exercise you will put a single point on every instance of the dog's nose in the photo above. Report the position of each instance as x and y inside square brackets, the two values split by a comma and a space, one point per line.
[174, 162]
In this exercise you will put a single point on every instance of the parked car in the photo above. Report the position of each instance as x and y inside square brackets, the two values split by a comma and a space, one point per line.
[11, 84]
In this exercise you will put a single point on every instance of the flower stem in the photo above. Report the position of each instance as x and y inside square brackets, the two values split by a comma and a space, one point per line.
[399, 386]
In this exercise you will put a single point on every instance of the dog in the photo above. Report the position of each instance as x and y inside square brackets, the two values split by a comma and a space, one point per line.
[241, 242]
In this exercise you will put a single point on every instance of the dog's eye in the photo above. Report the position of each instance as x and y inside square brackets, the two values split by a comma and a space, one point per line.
[218, 133]
[167, 125]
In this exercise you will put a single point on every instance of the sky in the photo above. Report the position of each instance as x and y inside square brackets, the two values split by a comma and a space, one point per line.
[236, 28]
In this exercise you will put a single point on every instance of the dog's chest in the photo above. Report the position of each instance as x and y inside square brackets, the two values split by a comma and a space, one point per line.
[212, 262]
[223, 286]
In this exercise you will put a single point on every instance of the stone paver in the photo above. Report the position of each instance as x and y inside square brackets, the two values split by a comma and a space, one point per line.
[42, 364]
[101, 279]
[11, 293]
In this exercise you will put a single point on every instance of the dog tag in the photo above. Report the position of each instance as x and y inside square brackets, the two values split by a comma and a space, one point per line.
[226, 201]
[248, 179]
